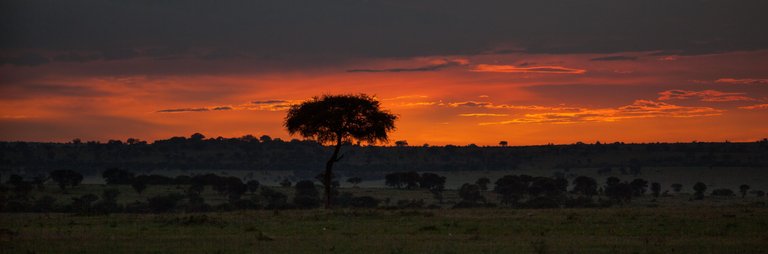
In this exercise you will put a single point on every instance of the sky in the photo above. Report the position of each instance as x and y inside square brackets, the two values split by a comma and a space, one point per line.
[455, 72]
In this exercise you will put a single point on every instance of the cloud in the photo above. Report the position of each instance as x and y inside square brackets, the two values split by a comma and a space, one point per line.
[119, 54]
[746, 81]
[304, 30]
[471, 104]
[482, 115]
[758, 106]
[26, 59]
[17, 91]
[76, 57]
[269, 102]
[490, 105]
[614, 58]
[706, 95]
[406, 97]
[222, 108]
[638, 109]
[435, 66]
[181, 110]
[533, 69]
[262, 105]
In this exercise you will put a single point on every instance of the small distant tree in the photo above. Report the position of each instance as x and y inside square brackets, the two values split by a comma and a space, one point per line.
[431, 181]
[656, 189]
[483, 182]
[355, 181]
[585, 185]
[401, 143]
[758, 193]
[677, 187]
[503, 143]
[638, 187]
[117, 176]
[275, 199]
[743, 189]
[511, 188]
[66, 178]
[699, 188]
[197, 137]
[617, 190]
[470, 193]
[253, 186]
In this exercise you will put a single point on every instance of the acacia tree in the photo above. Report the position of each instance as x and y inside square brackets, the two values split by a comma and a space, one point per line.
[335, 119]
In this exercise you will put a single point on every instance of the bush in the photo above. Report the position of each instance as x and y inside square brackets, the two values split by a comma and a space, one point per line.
[164, 203]
[275, 199]
[722, 192]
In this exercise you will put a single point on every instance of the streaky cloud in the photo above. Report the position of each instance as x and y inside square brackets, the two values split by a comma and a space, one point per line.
[532, 69]
[744, 81]
[705, 95]
[433, 67]
[614, 58]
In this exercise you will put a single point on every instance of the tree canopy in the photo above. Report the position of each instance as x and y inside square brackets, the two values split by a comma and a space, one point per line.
[329, 118]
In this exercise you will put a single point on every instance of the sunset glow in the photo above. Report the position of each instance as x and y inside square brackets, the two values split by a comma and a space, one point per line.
[527, 94]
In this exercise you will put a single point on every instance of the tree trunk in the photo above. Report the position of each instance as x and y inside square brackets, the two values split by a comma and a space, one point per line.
[327, 177]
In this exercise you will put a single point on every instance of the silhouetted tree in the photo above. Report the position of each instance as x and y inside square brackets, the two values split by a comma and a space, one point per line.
[66, 178]
[432, 181]
[197, 137]
[699, 189]
[354, 181]
[585, 185]
[677, 187]
[401, 143]
[333, 119]
[117, 176]
[470, 193]
[483, 182]
[393, 180]
[617, 190]
[656, 189]
[253, 186]
[275, 199]
[511, 188]
[743, 189]
[503, 143]
[638, 187]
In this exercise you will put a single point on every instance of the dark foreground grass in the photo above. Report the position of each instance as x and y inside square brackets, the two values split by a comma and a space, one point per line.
[611, 230]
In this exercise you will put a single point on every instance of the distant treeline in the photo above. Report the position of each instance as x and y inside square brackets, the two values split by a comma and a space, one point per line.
[264, 153]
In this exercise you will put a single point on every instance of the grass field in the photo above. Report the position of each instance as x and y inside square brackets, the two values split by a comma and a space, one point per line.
[612, 230]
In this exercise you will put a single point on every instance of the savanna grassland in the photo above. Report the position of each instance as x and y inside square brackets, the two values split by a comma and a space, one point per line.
[701, 229]
[668, 224]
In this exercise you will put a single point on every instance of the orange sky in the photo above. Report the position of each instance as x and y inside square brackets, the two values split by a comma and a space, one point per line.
[523, 98]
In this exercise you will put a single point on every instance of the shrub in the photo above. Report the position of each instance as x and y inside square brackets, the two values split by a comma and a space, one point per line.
[164, 203]
[722, 192]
